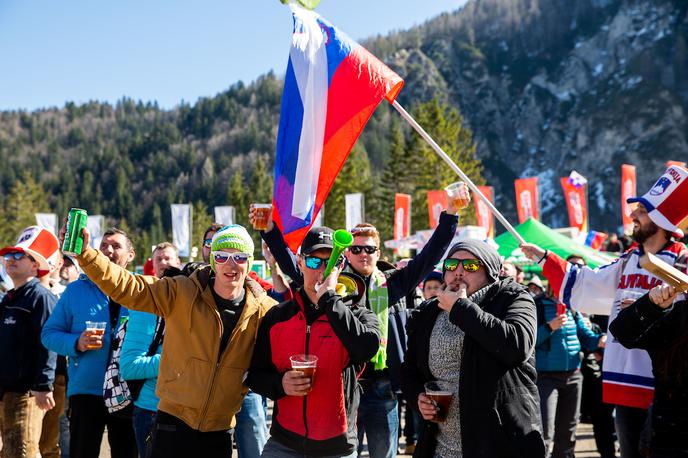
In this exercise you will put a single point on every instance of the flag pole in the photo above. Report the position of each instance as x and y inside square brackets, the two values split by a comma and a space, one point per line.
[404, 114]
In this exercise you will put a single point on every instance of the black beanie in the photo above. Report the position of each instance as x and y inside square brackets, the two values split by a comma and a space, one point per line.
[481, 250]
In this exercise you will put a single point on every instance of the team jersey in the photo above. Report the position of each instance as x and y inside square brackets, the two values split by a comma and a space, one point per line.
[626, 374]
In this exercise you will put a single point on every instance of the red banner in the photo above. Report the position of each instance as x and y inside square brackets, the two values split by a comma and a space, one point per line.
[576, 202]
[437, 201]
[628, 189]
[483, 214]
[679, 163]
[402, 216]
[527, 199]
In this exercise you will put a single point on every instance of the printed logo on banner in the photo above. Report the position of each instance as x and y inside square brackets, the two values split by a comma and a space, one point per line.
[526, 202]
[660, 187]
[574, 199]
[627, 191]
[399, 217]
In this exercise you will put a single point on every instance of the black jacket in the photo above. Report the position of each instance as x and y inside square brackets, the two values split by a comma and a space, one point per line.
[323, 423]
[25, 364]
[400, 282]
[498, 398]
[647, 326]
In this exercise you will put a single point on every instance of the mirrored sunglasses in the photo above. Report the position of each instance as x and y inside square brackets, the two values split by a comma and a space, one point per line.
[17, 255]
[222, 257]
[469, 265]
[357, 249]
[314, 263]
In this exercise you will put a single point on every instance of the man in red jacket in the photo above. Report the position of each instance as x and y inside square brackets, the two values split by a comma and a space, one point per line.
[313, 416]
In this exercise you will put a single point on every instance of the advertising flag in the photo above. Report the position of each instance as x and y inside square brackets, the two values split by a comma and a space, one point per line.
[402, 216]
[95, 228]
[354, 210]
[574, 187]
[628, 190]
[181, 228]
[483, 214]
[437, 201]
[331, 88]
[527, 199]
[225, 215]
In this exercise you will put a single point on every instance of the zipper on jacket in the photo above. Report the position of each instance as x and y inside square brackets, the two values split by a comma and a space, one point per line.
[204, 411]
[305, 398]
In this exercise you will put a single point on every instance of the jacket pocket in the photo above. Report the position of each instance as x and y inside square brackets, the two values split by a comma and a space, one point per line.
[228, 394]
[518, 414]
[189, 385]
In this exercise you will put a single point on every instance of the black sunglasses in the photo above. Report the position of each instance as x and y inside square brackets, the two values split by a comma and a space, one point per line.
[357, 249]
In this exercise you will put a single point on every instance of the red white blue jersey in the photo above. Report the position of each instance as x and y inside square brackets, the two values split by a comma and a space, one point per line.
[626, 374]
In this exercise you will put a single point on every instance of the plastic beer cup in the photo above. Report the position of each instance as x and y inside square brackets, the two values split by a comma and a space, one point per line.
[306, 364]
[441, 394]
[262, 214]
[95, 328]
[458, 194]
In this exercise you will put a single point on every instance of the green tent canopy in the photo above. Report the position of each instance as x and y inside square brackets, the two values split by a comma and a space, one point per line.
[534, 231]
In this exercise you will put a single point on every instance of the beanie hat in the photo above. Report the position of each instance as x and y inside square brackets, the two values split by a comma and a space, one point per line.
[232, 236]
[666, 200]
[434, 276]
[482, 251]
[40, 244]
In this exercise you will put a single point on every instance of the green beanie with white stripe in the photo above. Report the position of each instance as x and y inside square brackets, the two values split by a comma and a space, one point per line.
[233, 236]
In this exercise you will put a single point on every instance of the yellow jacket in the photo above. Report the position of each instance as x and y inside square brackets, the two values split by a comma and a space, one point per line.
[195, 383]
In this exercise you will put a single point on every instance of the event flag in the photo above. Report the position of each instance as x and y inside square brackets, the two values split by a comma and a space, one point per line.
[331, 88]
[483, 214]
[437, 202]
[574, 187]
[628, 190]
[527, 199]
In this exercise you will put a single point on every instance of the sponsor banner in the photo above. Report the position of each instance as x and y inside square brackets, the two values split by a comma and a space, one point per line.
[483, 214]
[225, 215]
[628, 189]
[354, 210]
[402, 216]
[181, 228]
[95, 228]
[527, 199]
[575, 197]
[437, 201]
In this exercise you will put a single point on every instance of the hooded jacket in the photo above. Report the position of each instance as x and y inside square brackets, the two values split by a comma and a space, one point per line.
[196, 383]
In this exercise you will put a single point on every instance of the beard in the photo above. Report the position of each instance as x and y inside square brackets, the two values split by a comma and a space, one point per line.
[642, 233]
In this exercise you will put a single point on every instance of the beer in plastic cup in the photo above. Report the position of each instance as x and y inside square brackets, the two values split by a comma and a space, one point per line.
[441, 394]
[629, 297]
[262, 214]
[306, 364]
[95, 328]
[458, 194]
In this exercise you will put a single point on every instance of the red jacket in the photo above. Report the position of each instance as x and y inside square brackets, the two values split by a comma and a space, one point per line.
[343, 338]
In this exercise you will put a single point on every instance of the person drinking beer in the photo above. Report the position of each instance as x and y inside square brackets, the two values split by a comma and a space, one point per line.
[470, 366]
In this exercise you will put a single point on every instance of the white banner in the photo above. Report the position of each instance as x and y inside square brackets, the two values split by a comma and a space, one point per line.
[225, 215]
[48, 221]
[95, 228]
[320, 219]
[181, 228]
[354, 210]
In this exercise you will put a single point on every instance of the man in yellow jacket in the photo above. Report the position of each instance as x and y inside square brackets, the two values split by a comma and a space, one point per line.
[211, 318]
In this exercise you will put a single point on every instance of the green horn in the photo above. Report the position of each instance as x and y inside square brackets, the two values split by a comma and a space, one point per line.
[341, 239]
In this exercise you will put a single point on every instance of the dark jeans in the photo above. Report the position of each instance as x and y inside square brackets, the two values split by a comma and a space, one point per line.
[88, 417]
[172, 438]
[560, 396]
[630, 422]
[378, 419]
[143, 424]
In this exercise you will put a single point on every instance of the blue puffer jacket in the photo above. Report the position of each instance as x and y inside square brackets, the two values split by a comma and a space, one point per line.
[134, 362]
[559, 351]
[82, 301]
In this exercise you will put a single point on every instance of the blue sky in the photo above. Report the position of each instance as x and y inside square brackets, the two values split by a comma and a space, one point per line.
[77, 50]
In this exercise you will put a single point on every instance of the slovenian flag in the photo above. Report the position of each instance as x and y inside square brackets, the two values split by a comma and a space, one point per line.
[331, 88]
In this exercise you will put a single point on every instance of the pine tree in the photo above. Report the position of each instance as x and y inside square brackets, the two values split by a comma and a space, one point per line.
[201, 221]
[25, 199]
[446, 126]
[354, 177]
[260, 183]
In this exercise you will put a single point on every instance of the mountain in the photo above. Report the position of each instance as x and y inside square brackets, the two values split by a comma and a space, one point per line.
[546, 86]
[549, 86]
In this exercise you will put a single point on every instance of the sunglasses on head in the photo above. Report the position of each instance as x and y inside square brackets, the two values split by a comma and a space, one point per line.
[468, 265]
[357, 249]
[207, 243]
[314, 263]
[222, 257]
[17, 255]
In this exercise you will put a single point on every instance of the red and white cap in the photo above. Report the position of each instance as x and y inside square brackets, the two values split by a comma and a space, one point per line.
[40, 244]
[667, 201]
